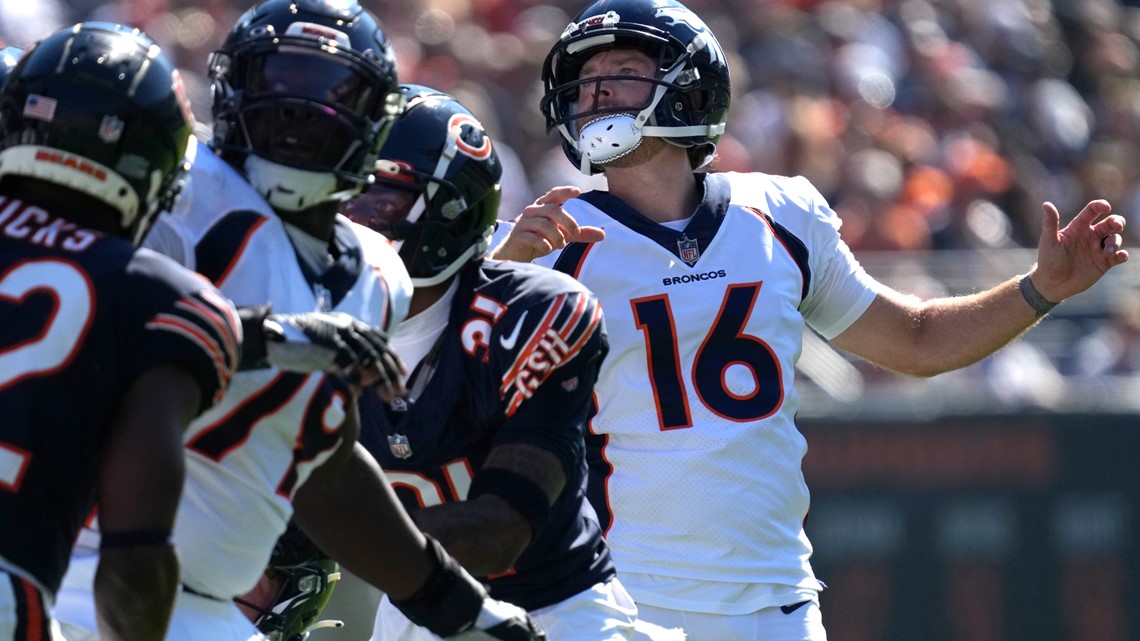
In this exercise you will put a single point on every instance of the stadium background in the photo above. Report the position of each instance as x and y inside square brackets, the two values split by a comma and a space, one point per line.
[993, 503]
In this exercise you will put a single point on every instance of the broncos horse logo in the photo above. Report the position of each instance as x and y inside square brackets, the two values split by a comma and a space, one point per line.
[681, 15]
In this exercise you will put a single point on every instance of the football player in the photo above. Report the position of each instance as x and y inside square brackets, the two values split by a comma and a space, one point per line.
[486, 449]
[107, 351]
[708, 281]
[303, 91]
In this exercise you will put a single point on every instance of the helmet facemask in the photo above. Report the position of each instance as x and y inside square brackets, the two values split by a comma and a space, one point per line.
[427, 219]
[686, 99]
[302, 592]
[436, 192]
[302, 102]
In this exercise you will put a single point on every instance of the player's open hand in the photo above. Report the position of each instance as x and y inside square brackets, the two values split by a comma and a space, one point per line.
[1072, 259]
[544, 227]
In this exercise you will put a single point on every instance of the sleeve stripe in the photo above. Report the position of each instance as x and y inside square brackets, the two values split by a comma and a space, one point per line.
[178, 325]
[211, 319]
[577, 323]
[531, 344]
[519, 397]
[225, 306]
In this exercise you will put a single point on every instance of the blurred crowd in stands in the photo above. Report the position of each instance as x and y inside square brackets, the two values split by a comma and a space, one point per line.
[927, 124]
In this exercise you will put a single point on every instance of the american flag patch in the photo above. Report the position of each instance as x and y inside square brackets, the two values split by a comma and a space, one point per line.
[40, 108]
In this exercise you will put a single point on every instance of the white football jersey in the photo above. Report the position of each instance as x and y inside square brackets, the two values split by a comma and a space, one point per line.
[247, 456]
[701, 459]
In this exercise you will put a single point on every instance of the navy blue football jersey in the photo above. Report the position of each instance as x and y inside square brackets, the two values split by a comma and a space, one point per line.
[516, 364]
[82, 316]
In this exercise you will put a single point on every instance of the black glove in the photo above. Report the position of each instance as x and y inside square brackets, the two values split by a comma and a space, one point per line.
[455, 606]
[332, 342]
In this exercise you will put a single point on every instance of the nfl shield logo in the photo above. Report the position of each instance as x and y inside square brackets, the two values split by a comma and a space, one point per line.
[400, 446]
[688, 249]
[111, 129]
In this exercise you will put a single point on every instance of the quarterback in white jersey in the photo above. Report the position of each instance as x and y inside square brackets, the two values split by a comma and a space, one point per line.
[708, 281]
[704, 390]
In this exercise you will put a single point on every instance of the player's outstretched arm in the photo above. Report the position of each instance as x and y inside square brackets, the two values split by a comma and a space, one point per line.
[926, 338]
[351, 512]
[544, 227]
[331, 342]
[140, 482]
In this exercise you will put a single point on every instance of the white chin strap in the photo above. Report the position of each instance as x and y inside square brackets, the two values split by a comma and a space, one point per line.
[290, 189]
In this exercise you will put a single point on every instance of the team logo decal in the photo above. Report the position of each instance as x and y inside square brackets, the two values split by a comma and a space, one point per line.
[689, 249]
[469, 136]
[111, 129]
[400, 446]
[676, 15]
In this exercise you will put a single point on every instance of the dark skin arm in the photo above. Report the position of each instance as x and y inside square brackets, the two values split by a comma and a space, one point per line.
[486, 534]
[348, 508]
[140, 481]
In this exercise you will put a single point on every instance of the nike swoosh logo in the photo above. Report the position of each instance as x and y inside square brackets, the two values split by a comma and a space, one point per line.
[508, 342]
[788, 609]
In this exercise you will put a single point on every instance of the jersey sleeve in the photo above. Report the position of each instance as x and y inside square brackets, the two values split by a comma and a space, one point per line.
[549, 354]
[841, 290]
[181, 319]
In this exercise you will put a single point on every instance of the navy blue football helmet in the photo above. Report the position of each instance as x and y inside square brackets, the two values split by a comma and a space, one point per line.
[97, 108]
[436, 191]
[688, 104]
[303, 91]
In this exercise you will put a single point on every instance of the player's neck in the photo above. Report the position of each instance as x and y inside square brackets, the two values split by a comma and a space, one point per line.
[425, 297]
[318, 221]
[662, 190]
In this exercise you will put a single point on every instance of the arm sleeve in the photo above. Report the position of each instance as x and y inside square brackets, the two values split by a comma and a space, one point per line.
[184, 320]
[548, 382]
[841, 289]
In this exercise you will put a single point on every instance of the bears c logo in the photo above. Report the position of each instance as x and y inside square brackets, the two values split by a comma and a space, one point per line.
[469, 137]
